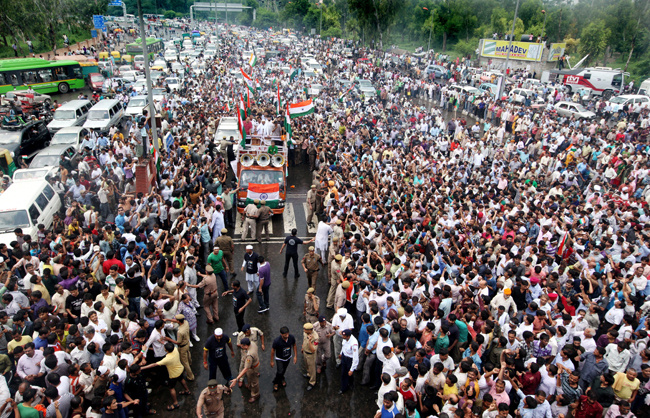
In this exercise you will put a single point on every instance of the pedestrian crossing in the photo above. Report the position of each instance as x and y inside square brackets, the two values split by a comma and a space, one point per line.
[280, 228]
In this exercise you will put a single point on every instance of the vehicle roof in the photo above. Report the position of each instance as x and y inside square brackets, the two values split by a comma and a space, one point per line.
[631, 96]
[53, 150]
[18, 193]
[105, 104]
[27, 63]
[70, 129]
[73, 104]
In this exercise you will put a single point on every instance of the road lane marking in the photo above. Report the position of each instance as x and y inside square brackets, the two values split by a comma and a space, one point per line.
[310, 229]
[289, 218]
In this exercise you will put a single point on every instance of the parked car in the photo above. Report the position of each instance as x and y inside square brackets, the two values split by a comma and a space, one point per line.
[520, 96]
[38, 97]
[25, 140]
[437, 70]
[569, 109]
[72, 136]
[50, 156]
[96, 81]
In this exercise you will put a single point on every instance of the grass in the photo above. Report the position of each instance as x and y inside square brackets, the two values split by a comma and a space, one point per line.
[78, 35]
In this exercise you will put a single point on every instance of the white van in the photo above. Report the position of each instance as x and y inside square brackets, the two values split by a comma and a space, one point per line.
[136, 105]
[26, 204]
[644, 88]
[105, 114]
[72, 113]
[227, 128]
[138, 62]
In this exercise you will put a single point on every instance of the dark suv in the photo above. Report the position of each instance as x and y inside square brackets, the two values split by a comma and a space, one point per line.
[25, 139]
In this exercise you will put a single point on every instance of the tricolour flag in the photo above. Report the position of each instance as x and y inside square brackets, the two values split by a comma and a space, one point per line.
[268, 192]
[293, 74]
[241, 116]
[253, 59]
[561, 247]
[301, 109]
[156, 158]
[279, 108]
[346, 92]
[248, 80]
[258, 85]
[287, 124]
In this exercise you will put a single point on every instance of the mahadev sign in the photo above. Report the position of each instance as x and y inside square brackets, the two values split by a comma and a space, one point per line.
[525, 51]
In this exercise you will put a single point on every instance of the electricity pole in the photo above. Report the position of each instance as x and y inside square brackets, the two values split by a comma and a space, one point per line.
[147, 74]
[512, 35]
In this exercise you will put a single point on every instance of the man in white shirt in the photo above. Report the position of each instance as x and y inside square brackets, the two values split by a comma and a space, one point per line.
[28, 366]
[349, 359]
[391, 362]
[341, 321]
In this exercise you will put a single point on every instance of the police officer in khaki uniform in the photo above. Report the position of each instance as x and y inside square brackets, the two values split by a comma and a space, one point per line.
[311, 205]
[325, 332]
[334, 275]
[211, 399]
[183, 341]
[210, 294]
[225, 244]
[337, 230]
[309, 348]
[251, 369]
[311, 263]
[311, 307]
[263, 218]
[250, 221]
[256, 336]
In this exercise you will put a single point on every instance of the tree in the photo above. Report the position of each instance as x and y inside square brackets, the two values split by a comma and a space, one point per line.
[593, 39]
[375, 16]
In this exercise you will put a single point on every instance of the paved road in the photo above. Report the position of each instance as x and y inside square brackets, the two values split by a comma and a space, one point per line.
[287, 296]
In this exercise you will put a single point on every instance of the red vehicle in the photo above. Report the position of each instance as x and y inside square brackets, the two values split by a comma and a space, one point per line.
[96, 81]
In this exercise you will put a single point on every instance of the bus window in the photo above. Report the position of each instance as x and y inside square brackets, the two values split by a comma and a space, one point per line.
[29, 77]
[45, 75]
[59, 73]
[74, 71]
[15, 81]
[3, 81]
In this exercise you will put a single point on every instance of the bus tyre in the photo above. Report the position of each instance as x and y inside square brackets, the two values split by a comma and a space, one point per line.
[64, 88]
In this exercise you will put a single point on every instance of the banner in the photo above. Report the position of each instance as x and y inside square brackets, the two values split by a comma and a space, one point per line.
[524, 51]
[556, 51]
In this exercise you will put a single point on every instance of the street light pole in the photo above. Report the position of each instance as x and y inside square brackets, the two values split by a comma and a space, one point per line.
[544, 27]
[430, 30]
[147, 74]
[512, 35]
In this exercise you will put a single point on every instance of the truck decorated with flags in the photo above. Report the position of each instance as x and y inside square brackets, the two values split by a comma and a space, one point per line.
[262, 171]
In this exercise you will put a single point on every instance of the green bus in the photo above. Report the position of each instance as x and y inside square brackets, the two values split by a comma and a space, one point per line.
[154, 46]
[41, 75]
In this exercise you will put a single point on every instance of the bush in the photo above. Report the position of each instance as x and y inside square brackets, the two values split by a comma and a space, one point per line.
[466, 48]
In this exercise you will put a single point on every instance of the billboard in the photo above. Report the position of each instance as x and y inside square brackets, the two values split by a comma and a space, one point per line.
[556, 51]
[525, 51]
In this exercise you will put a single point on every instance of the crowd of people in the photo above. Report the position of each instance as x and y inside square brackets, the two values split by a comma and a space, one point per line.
[499, 269]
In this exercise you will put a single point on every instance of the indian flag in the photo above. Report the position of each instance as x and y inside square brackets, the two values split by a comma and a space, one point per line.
[287, 124]
[241, 116]
[248, 80]
[258, 85]
[253, 59]
[156, 158]
[279, 108]
[293, 74]
[301, 109]
[346, 93]
[267, 192]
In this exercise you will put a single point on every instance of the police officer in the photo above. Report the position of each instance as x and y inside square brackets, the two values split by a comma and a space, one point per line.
[211, 399]
[250, 221]
[311, 306]
[210, 294]
[311, 205]
[263, 218]
[325, 333]
[251, 368]
[215, 351]
[183, 340]
[311, 263]
[309, 349]
[225, 244]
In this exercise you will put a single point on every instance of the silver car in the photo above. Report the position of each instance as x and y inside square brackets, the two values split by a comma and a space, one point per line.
[569, 109]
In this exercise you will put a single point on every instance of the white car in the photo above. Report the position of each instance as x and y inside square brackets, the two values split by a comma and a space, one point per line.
[132, 75]
[629, 99]
[520, 95]
[174, 83]
[140, 86]
[159, 62]
[171, 55]
[72, 135]
[570, 109]
[158, 94]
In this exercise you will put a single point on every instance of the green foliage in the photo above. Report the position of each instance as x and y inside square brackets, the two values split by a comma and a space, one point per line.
[169, 14]
[466, 48]
[593, 40]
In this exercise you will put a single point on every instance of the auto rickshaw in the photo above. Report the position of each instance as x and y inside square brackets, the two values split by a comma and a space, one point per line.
[103, 56]
[7, 164]
[116, 55]
[127, 59]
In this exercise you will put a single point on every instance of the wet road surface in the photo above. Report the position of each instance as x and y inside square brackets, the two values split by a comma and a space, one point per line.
[286, 300]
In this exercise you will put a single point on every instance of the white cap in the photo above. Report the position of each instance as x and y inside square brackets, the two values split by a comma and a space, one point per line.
[249, 247]
[2, 259]
[342, 312]
[596, 188]
[218, 332]
[102, 370]
[96, 248]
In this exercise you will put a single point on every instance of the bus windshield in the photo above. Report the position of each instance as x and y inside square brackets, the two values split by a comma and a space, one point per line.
[262, 177]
